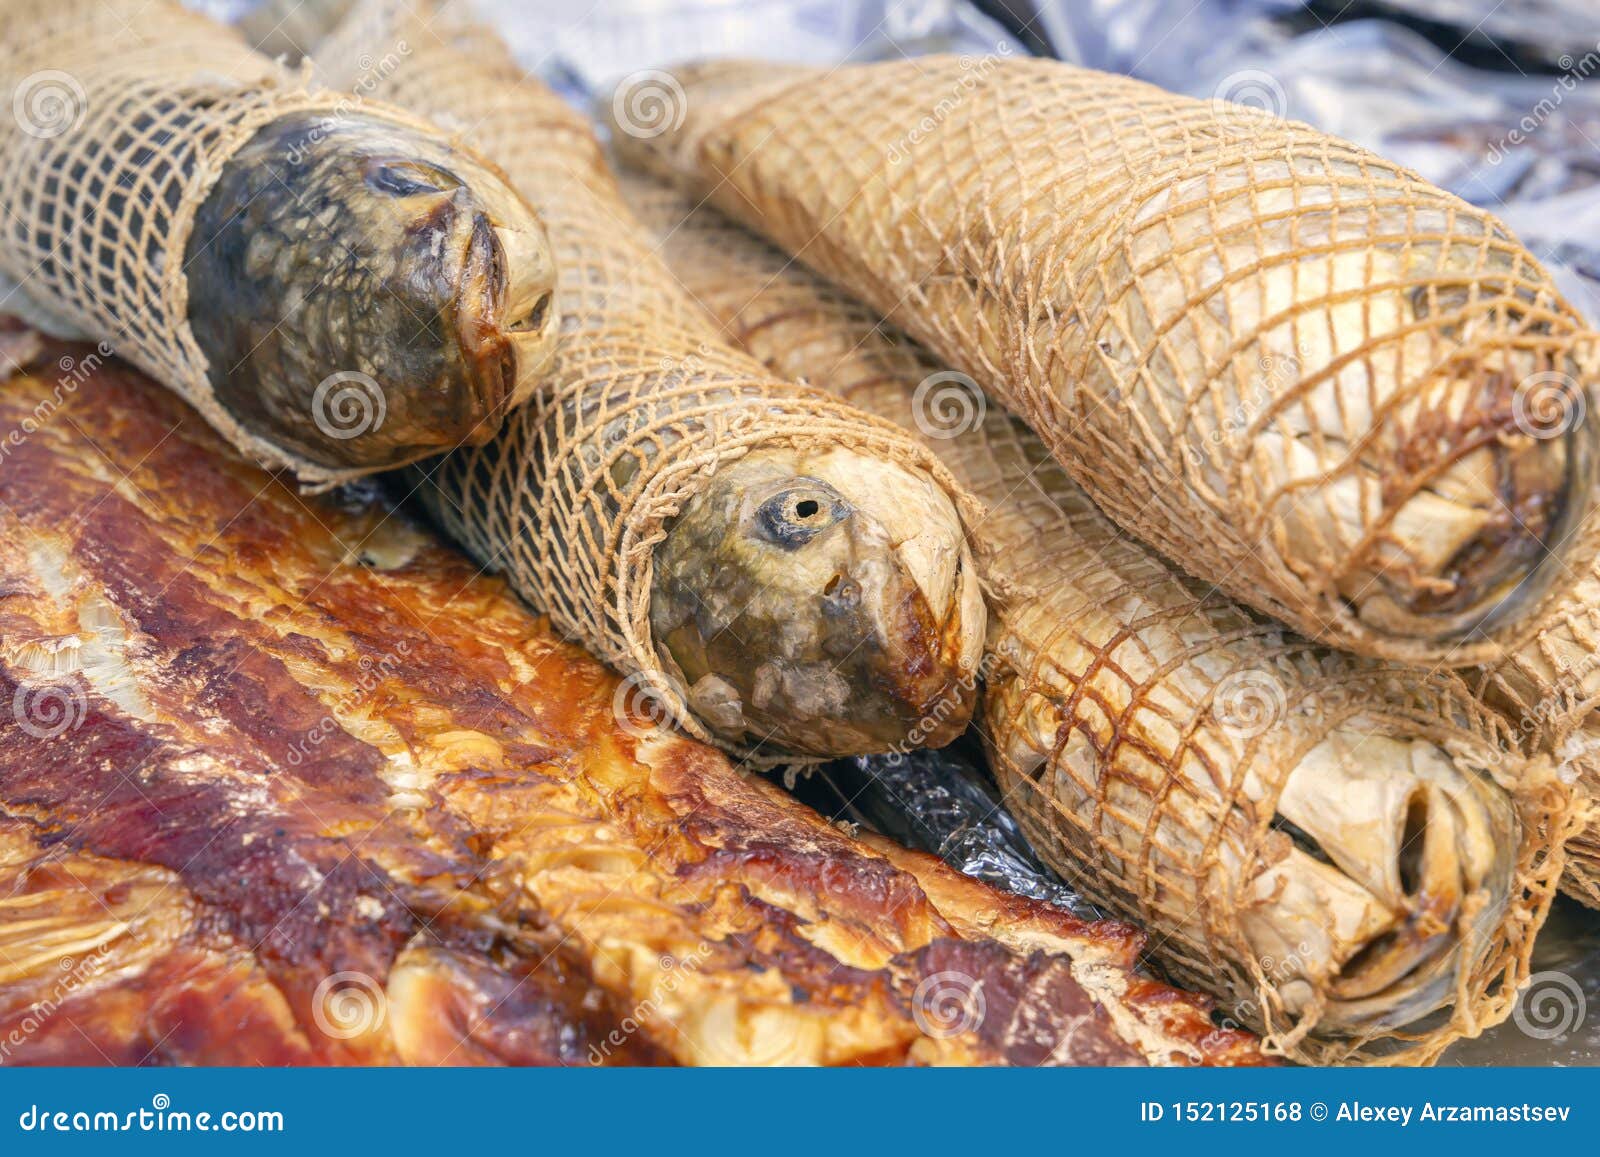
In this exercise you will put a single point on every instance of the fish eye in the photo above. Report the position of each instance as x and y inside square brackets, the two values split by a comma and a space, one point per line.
[402, 178]
[797, 514]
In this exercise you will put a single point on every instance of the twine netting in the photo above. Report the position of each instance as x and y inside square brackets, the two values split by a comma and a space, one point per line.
[1551, 687]
[1348, 398]
[123, 114]
[1144, 727]
[644, 402]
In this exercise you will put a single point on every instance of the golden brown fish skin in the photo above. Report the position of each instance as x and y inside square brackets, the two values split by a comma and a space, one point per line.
[358, 755]
[351, 246]
[733, 622]
[773, 599]
[1293, 367]
[1380, 836]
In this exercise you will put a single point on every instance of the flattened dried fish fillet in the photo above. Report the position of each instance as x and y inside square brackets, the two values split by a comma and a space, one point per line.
[334, 774]
[1347, 398]
[1319, 839]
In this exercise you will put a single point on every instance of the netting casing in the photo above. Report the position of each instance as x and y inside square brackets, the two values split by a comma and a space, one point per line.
[1348, 398]
[124, 114]
[1551, 686]
[644, 402]
[1143, 726]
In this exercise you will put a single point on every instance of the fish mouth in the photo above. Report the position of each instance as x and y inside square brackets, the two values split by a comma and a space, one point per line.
[821, 604]
[506, 318]
[1401, 858]
[1538, 488]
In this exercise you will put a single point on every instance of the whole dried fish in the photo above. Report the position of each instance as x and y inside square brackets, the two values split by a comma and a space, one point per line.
[378, 259]
[1347, 398]
[290, 781]
[778, 570]
[1334, 846]
[337, 287]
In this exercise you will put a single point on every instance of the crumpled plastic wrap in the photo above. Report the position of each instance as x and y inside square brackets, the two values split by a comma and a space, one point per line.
[942, 802]
[1521, 142]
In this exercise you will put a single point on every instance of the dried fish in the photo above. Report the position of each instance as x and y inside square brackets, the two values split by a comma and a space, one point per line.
[1335, 846]
[1349, 399]
[335, 285]
[292, 782]
[775, 569]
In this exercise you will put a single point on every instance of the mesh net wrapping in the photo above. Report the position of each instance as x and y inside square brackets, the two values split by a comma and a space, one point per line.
[644, 401]
[1143, 726]
[1346, 397]
[124, 113]
[1551, 687]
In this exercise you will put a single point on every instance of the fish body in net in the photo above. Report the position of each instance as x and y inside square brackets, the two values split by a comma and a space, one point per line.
[1550, 686]
[1350, 853]
[1347, 398]
[287, 780]
[336, 286]
[774, 568]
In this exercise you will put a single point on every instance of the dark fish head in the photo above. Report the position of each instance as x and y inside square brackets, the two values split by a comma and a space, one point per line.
[823, 604]
[366, 293]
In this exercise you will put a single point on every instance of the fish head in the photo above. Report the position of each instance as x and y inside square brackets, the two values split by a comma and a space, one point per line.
[1404, 860]
[467, 250]
[366, 292]
[821, 603]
